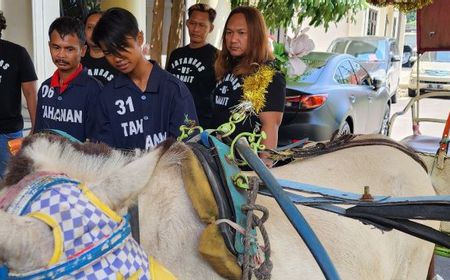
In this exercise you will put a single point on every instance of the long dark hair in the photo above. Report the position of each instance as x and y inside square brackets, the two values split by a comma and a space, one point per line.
[258, 49]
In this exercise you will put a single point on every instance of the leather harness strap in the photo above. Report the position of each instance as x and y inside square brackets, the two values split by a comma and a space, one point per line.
[344, 142]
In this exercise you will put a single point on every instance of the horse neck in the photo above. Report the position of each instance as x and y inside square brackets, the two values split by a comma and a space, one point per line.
[170, 228]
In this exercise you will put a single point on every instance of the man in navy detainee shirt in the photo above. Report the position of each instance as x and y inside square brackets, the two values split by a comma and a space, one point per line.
[67, 101]
[144, 104]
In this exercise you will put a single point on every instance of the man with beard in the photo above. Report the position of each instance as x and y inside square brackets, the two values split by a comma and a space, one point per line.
[67, 100]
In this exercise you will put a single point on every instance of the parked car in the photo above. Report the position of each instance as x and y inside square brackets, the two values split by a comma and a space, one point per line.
[379, 55]
[335, 93]
[434, 73]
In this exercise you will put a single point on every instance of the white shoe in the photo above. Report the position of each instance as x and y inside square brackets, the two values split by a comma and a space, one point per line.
[437, 277]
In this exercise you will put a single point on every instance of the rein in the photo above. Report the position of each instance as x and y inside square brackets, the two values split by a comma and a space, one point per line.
[340, 143]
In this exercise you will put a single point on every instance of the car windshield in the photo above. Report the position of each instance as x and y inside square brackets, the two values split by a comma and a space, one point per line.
[440, 56]
[315, 64]
[371, 50]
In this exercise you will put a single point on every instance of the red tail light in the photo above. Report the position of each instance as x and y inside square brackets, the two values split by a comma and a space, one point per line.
[306, 102]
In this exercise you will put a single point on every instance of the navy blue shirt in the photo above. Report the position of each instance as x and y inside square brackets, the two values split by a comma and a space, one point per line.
[72, 111]
[129, 118]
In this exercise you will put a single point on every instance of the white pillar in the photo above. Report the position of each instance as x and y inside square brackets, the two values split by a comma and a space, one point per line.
[223, 9]
[44, 12]
[136, 7]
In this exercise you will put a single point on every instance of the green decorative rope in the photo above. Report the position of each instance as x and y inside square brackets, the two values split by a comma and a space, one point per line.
[187, 131]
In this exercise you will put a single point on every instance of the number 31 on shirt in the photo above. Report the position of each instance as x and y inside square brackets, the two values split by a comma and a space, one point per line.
[123, 106]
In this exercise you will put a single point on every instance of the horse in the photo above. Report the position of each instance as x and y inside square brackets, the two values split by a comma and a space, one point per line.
[170, 227]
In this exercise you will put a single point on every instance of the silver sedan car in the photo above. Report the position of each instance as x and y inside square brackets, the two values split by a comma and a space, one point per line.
[334, 95]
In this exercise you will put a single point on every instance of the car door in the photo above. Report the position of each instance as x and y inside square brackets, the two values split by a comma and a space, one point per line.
[393, 71]
[356, 99]
[377, 99]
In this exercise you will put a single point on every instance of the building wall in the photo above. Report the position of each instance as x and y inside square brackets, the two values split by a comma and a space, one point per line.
[357, 27]
[19, 23]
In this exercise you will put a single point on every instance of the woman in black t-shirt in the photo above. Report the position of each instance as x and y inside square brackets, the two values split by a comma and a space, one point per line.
[245, 48]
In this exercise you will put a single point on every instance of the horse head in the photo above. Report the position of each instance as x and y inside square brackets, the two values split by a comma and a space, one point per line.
[114, 177]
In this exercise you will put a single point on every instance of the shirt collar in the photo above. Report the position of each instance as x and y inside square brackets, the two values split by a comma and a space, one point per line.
[54, 82]
[153, 82]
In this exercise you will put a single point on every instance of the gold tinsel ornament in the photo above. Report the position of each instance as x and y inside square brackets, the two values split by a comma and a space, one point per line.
[402, 5]
[254, 88]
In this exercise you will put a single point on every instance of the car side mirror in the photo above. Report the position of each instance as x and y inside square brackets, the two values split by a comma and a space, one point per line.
[377, 83]
[395, 58]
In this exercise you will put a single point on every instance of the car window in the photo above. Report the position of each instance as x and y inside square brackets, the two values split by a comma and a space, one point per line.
[440, 56]
[361, 74]
[347, 74]
[371, 50]
[338, 77]
[315, 65]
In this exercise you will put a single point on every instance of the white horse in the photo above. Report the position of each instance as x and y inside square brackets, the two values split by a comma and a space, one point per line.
[170, 228]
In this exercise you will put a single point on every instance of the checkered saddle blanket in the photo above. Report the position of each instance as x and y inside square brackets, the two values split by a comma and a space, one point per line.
[83, 227]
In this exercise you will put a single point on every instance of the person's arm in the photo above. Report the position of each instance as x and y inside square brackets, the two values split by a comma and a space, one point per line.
[272, 115]
[29, 90]
[270, 122]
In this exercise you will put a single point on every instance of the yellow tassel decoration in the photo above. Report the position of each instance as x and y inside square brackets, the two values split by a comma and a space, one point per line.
[255, 88]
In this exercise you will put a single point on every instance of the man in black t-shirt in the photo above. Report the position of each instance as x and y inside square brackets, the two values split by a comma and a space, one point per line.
[17, 75]
[194, 64]
[94, 60]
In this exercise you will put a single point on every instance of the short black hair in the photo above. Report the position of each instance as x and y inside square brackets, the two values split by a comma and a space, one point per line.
[2, 23]
[114, 28]
[205, 8]
[91, 13]
[68, 25]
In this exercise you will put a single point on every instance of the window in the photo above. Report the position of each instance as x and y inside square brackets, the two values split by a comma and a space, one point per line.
[372, 22]
[361, 74]
[347, 74]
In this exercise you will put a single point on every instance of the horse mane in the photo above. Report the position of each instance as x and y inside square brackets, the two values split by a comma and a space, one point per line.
[82, 161]
[39, 150]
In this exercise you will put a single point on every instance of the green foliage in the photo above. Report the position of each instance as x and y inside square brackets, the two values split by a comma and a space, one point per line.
[281, 13]
[78, 8]
[281, 57]
[411, 17]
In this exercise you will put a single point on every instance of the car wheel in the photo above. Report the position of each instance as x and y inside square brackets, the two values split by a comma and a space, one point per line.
[345, 129]
[385, 122]
[411, 92]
